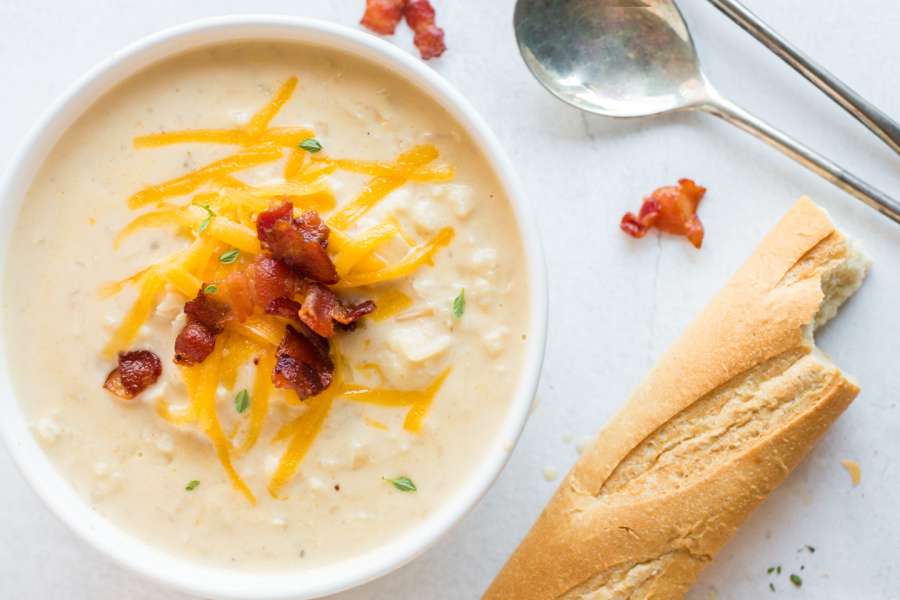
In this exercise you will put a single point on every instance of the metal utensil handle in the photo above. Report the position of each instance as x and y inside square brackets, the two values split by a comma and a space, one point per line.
[810, 159]
[878, 122]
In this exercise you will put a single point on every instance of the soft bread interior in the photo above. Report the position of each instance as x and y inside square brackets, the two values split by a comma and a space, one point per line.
[841, 281]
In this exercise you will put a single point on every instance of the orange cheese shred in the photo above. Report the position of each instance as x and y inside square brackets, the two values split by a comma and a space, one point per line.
[259, 400]
[236, 352]
[304, 431]
[379, 187]
[260, 121]
[245, 159]
[389, 302]
[202, 136]
[386, 169]
[419, 400]
[415, 258]
[262, 329]
[363, 245]
[208, 419]
[151, 287]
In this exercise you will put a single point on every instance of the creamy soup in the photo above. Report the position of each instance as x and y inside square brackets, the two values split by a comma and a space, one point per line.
[153, 193]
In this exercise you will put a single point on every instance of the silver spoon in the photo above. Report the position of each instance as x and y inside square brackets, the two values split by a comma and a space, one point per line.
[864, 111]
[636, 58]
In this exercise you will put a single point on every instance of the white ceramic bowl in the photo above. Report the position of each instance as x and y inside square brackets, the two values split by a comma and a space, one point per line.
[150, 561]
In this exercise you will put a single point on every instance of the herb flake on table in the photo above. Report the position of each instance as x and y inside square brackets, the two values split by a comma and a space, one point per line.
[403, 483]
[796, 580]
[242, 401]
[192, 485]
[459, 304]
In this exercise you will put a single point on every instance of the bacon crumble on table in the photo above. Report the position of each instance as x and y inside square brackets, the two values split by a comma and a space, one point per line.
[429, 38]
[382, 16]
[302, 363]
[136, 371]
[672, 209]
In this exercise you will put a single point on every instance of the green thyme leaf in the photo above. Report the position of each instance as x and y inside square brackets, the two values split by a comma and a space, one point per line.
[771, 586]
[192, 485]
[311, 145]
[205, 222]
[403, 483]
[229, 256]
[211, 289]
[770, 570]
[242, 401]
[778, 569]
[459, 304]
[795, 579]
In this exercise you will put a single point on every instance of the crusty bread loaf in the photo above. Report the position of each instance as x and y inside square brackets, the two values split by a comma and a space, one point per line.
[721, 420]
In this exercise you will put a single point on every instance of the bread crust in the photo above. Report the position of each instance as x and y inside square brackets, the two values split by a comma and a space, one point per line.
[722, 419]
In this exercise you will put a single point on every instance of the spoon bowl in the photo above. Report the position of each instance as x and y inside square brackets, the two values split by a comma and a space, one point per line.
[636, 58]
[609, 59]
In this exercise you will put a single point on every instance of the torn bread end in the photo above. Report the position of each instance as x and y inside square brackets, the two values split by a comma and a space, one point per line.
[841, 281]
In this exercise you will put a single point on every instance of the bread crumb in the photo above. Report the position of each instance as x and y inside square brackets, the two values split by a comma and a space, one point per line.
[853, 469]
[549, 473]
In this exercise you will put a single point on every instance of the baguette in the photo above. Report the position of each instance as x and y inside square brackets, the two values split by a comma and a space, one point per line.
[726, 414]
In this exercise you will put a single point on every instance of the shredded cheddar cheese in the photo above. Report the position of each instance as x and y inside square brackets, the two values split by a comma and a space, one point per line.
[417, 256]
[252, 157]
[217, 210]
[389, 302]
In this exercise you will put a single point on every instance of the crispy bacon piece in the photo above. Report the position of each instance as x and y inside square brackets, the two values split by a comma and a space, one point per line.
[271, 279]
[206, 319]
[194, 343]
[382, 16]
[429, 38]
[137, 370]
[321, 308]
[237, 291]
[284, 307]
[299, 243]
[672, 209]
[302, 364]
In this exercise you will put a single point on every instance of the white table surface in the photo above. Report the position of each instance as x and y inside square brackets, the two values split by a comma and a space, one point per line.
[616, 304]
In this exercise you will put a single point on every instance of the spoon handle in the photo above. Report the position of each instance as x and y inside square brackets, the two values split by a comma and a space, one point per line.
[877, 121]
[810, 159]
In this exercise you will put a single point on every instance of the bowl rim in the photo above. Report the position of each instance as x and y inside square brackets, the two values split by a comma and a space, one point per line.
[155, 563]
